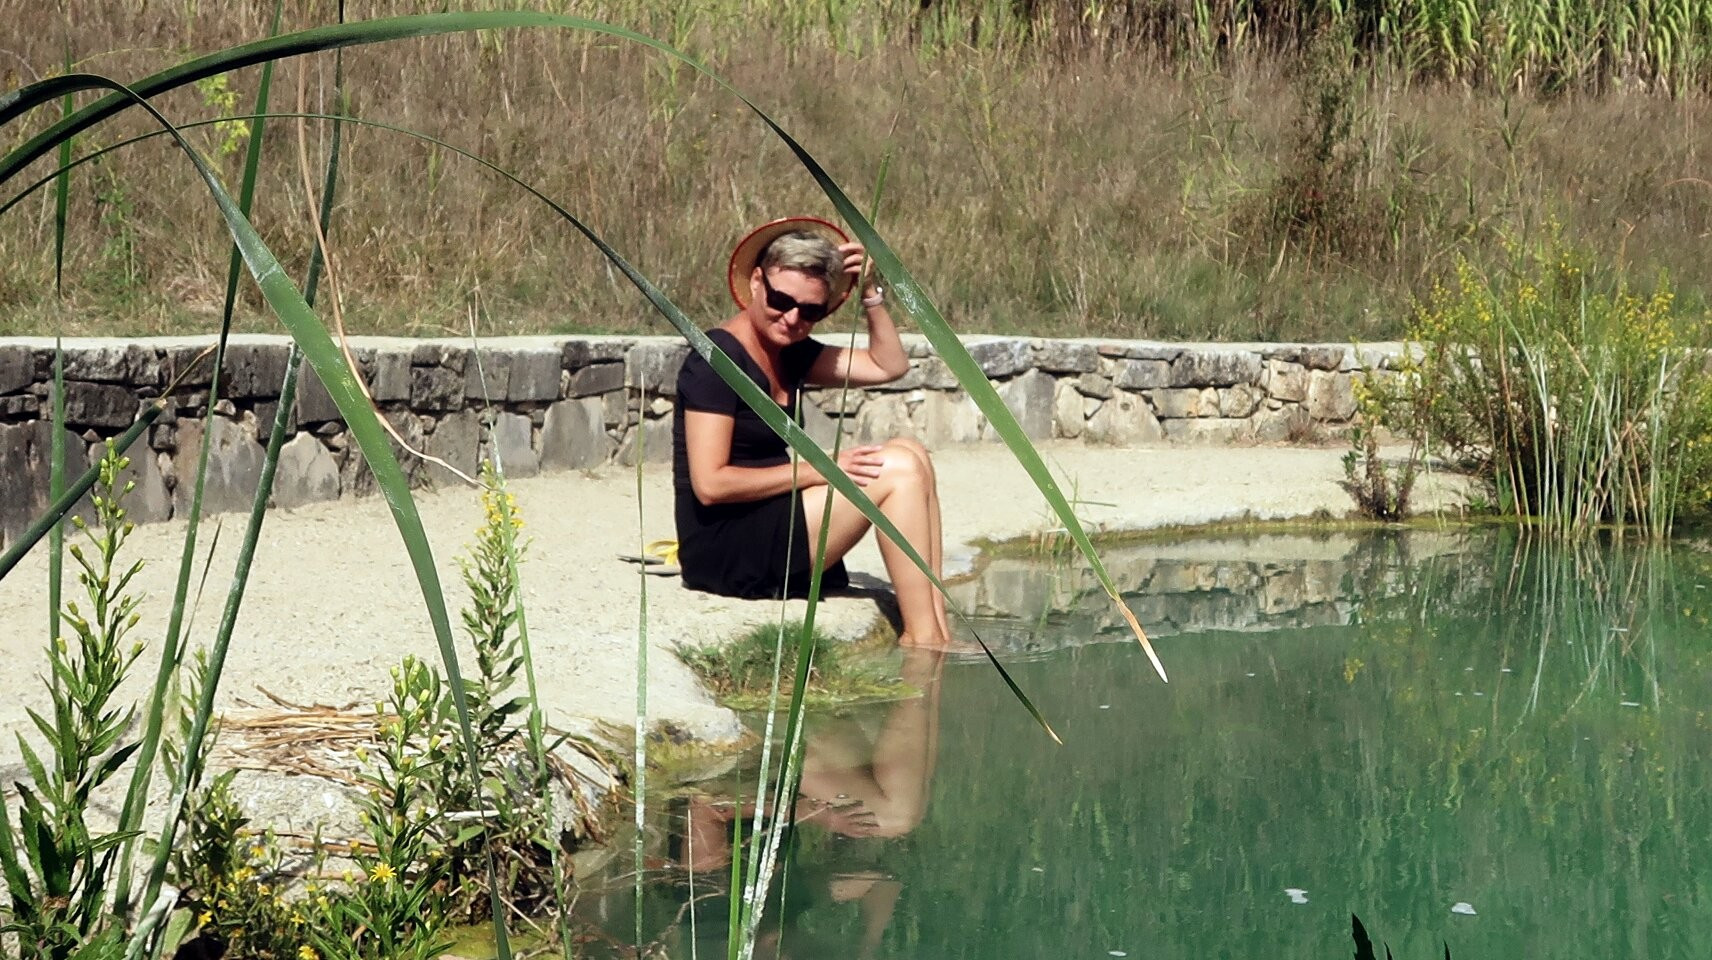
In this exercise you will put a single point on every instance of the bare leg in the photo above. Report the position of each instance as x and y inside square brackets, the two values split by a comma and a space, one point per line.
[904, 492]
[936, 542]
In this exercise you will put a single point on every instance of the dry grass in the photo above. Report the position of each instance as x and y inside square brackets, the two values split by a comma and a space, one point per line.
[1108, 195]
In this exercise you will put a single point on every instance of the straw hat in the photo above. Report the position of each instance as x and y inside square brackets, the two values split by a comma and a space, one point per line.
[747, 254]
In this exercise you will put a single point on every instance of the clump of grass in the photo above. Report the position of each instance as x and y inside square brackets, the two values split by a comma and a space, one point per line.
[1581, 398]
[741, 672]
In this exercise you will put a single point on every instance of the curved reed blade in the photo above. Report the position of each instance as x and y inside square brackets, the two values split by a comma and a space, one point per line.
[136, 796]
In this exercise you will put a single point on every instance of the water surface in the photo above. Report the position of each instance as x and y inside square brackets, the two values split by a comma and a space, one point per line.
[1462, 738]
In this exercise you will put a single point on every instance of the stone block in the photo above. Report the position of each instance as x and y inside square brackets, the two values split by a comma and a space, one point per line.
[1065, 356]
[652, 438]
[355, 477]
[17, 367]
[234, 467]
[26, 458]
[836, 402]
[433, 389]
[1215, 368]
[621, 410]
[1209, 431]
[883, 417]
[390, 379]
[1030, 398]
[574, 435]
[1373, 356]
[1277, 426]
[182, 359]
[820, 428]
[254, 369]
[1001, 357]
[597, 379]
[1177, 404]
[307, 473]
[1286, 380]
[314, 404]
[1331, 396]
[654, 364]
[510, 441]
[487, 375]
[440, 353]
[950, 417]
[1140, 350]
[1313, 356]
[913, 379]
[534, 375]
[1094, 385]
[120, 362]
[935, 375]
[1240, 401]
[22, 406]
[582, 351]
[104, 406]
[1124, 420]
[456, 439]
[1067, 417]
[1142, 374]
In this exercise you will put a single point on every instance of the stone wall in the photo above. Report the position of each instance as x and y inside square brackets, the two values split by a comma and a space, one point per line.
[566, 403]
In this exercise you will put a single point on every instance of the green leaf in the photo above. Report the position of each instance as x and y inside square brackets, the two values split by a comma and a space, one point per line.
[17, 881]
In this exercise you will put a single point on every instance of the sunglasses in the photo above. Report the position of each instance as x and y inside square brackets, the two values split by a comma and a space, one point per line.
[810, 313]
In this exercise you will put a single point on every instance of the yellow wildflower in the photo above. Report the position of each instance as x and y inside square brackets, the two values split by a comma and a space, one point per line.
[205, 918]
[382, 872]
[307, 952]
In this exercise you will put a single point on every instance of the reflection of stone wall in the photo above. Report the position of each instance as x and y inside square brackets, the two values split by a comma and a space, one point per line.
[1256, 583]
[560, 403]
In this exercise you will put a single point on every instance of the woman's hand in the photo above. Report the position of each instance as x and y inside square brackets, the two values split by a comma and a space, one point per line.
[861, 463]
[854, 258]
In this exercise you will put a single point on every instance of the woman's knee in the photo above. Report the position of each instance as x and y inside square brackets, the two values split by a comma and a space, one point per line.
[902, 465]
[913, 447]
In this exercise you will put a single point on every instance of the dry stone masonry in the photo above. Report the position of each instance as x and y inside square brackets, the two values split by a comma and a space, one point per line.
[571, 403]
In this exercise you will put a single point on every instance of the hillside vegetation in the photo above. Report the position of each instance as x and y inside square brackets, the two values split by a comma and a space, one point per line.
[1151, 168]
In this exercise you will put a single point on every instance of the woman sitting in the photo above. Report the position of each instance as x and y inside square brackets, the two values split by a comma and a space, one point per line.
[733, 475]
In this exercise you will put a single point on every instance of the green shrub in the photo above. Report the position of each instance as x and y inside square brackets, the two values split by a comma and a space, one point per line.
[1583, 400]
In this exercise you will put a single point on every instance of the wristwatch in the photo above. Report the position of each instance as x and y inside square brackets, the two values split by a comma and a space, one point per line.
[878, 299]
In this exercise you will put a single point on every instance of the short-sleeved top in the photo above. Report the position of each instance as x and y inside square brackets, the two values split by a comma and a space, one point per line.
[757, 548]
[753, 443]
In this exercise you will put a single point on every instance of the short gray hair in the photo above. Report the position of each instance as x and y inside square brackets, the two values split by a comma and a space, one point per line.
[804, 251]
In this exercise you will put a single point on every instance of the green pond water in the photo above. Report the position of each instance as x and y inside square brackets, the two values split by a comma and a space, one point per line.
[1464, 738]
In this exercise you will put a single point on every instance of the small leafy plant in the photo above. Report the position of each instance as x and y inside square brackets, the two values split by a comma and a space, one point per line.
[58, 866]
[1381, 491]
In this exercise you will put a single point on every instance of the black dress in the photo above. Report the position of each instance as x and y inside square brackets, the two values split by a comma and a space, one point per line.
[740, 549]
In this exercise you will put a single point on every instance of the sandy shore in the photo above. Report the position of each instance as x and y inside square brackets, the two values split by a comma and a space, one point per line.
[332, 604]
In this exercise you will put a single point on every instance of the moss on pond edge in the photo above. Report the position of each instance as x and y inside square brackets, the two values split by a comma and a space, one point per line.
[739, 672]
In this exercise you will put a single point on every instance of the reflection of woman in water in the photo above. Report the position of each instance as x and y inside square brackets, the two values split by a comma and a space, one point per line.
[852, 788]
